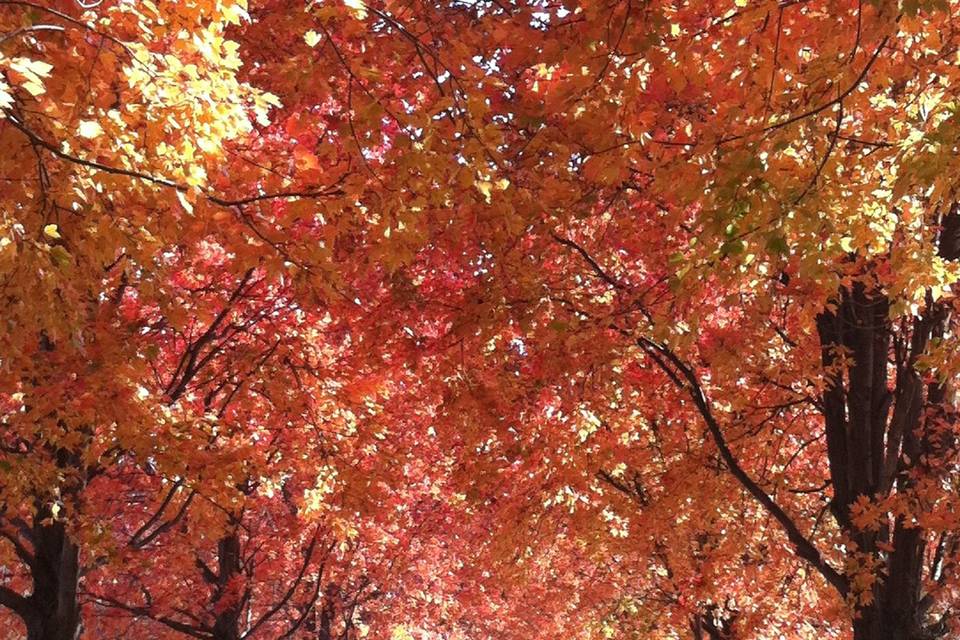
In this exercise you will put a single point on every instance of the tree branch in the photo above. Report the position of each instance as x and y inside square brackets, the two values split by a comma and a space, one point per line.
[14, 601]
[176, 625]
[823, 107]
[597, 269]
[685, 378]
[160, 181]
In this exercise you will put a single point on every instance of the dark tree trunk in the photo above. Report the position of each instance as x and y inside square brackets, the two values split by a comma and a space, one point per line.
[713, 623]
[226, 626]
[325, 632]
[867, 447]
[875, 452]
[321, 619]
[53, 609]
[227, 604]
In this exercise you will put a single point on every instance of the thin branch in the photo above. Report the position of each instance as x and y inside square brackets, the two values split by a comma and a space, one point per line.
[160, 181]
[613, 282]
[822, 107]
[307, 556]
[685, 378]
[310, 606]
[776, 57]
[169, 524]
[826, 156]
[36, 27]
[176, 625]
[157, 514]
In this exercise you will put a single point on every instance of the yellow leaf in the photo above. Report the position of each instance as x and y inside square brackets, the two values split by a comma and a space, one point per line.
[35, 88]
[186, 204]
[61, 257]
[358, 7]
[6, 100]
[485, 188]
[32, 71]
[51, 231]
[312, 38]
[89, 129]
[26, 66]
[40, 68]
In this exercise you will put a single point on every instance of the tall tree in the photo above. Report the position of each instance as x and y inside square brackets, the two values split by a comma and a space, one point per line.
[667, 285]
[734, 223]
[103, 160]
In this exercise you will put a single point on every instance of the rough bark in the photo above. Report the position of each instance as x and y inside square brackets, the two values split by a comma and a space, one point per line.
[53, 609]
[226, 625]
[879, 441]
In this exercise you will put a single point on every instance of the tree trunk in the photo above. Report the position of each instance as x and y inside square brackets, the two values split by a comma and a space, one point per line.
[867, 446]
[53, 611]
[875, 452]
[226, 626]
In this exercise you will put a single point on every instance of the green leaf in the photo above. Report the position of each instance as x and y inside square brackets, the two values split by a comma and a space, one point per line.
[61, 257]
[732, 247]
[777, 245]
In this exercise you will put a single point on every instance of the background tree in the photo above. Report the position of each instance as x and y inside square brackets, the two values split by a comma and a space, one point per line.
[661, 287]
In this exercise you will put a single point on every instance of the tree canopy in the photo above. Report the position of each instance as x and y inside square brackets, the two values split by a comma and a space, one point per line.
[479, 319]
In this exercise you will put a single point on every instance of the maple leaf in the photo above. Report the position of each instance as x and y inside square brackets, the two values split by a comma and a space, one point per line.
[479, 321]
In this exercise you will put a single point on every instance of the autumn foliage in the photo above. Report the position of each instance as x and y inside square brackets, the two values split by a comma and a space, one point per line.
[478, 319]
